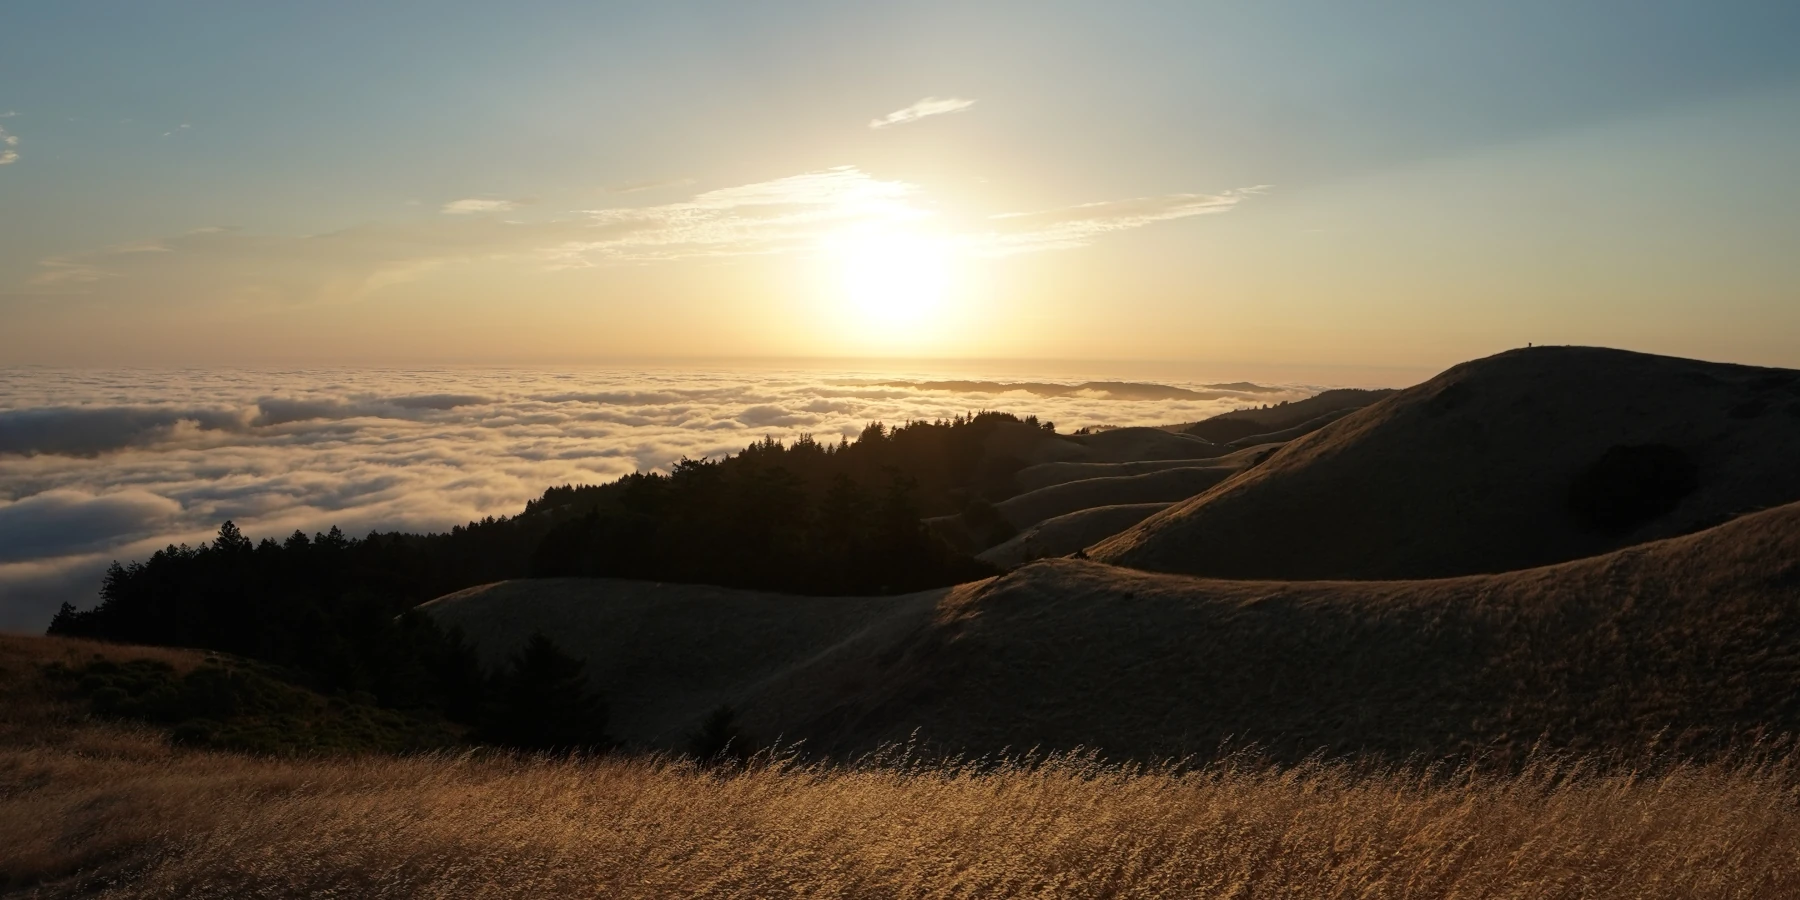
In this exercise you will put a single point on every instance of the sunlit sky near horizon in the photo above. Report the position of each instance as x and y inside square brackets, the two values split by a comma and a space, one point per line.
[1394, 185]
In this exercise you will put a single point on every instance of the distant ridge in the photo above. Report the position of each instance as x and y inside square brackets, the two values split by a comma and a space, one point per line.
[1238, 425]
[1117, 390]
[1526, 458]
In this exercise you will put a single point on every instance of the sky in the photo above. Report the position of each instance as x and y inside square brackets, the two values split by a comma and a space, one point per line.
[1310, 183]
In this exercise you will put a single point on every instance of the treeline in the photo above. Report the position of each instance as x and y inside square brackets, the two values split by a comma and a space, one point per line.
[340, 612]
[753, 522]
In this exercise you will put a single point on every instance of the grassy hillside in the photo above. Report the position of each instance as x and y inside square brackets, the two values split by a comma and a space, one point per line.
[1522, 459]
[663, 655]
[1243, 423]
[51, 687]
[1068, 533]
[96, 809]
[1164, 486]
[1691, 645]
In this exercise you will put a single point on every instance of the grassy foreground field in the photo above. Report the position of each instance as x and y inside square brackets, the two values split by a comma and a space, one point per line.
[91, 808]
[147, 823]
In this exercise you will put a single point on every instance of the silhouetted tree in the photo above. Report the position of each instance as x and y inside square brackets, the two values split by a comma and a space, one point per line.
[542, 702]
[719, 739]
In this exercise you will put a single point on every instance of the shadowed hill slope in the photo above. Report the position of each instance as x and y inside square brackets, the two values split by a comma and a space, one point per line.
[1691, 644]
[1243, 423]
[1526, 458]
[664, 655]
[1067, 533]
[1287, 434]
[1026, 445]
[1141, 444]
[1044, 475]
[1165, 486]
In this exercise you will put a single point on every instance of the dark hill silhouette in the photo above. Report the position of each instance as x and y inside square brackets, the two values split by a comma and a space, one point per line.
[1242, 423]
[1116, 390]
[1690, 645]
[1045, 475]
[1160, 486]
[1526, 458]
[1064, 534]
[1287, 434]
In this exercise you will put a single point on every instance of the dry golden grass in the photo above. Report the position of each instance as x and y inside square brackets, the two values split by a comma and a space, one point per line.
[92, 809]
[213, 825]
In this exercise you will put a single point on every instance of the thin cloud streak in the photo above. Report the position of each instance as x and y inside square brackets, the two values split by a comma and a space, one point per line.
[1077, 226]
[930, 106]
[638, 187]
[477, 205]
[781, 215]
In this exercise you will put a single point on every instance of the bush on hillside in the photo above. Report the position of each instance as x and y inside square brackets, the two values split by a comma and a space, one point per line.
[542, 702]
[230, 706]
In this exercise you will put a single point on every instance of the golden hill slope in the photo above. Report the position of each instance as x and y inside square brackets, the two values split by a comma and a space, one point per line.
[1691, 644]
[1474, 471]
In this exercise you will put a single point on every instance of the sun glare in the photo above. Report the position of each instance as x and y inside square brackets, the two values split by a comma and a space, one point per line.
[892, 280]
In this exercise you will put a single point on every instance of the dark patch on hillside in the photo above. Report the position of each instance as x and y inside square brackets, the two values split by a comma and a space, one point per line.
[230, 705]
[1630, 485]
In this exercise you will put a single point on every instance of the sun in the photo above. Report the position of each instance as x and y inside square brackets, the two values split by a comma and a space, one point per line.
[893, 280]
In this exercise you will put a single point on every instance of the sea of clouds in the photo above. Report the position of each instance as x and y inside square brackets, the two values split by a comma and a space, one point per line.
[104, 465]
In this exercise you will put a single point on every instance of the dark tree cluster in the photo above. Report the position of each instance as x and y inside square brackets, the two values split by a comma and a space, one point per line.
[336, 614]
[757, 526]
[805, 517]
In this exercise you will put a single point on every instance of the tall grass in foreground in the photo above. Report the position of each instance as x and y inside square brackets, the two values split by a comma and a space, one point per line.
[131, 819]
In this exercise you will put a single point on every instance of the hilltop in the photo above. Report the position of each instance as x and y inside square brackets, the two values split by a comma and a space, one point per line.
[1522, 459]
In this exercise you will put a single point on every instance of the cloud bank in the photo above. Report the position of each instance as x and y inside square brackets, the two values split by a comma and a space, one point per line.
[97, 466]
[930, 106]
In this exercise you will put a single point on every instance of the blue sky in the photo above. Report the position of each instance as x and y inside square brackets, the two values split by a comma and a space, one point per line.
[1406, 183]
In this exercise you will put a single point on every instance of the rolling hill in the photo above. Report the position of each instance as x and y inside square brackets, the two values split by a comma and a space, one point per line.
[1067, 533]
[1163, 486]
[1243, 423]
[1523, 459]
[1690, 644]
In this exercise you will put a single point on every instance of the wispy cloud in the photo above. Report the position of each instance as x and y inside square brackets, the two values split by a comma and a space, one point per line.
[177, 129]
[761, 217]
[930, 106]
[1078, 226]
[9, 145]
[635, 187]
[796, 215]
[473, 205]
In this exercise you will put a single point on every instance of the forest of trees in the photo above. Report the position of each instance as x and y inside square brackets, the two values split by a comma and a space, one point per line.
[337, 611]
